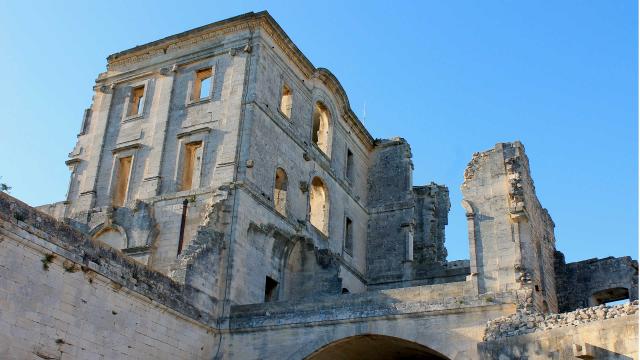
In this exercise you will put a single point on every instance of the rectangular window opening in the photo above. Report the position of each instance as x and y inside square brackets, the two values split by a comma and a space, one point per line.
[348, 236]
[136, 101]
[349, 166]
[270, 287]
[122, 181]
[191, 165]
[286, 102]
[202, 84]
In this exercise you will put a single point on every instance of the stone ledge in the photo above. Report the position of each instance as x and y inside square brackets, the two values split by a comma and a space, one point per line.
[363, 306]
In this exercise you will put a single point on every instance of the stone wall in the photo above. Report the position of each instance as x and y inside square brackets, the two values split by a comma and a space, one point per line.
[391, 212]
[510, 234]
[64, 295]
[593, 333]
[578, 282]
[526, 322]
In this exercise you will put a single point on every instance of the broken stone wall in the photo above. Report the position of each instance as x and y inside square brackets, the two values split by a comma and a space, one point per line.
[589, 334]
[391, 206]
[577, 282]
[511, 235]
[432, 210]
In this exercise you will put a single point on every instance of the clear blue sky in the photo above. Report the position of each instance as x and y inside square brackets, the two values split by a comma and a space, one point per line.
[452, 77]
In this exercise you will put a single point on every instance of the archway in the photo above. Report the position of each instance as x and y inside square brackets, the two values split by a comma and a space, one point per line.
[375, 347]
[112, 237]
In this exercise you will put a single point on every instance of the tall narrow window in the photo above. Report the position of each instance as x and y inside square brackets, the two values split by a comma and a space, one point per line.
[320, 134]
[122, 181]
[270, 287]
[192, 164]
[136, 101]
[286, 102]
[280, 191]
[202, 84]
[319, 205]
[540, 256]
[348, 236]
[348, 171]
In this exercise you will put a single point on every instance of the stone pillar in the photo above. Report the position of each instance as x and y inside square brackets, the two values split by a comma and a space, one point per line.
[159, 118]
[99, 120]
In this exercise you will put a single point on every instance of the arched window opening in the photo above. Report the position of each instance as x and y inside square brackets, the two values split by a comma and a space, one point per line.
[319, 205]
[111, 237]
[286, 102]
[320, 135]
[280, 191]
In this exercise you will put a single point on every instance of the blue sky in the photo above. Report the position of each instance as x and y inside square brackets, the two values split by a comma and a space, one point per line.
[452, 77]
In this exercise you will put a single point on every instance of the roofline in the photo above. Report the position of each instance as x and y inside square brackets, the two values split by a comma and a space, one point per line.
[279, 35]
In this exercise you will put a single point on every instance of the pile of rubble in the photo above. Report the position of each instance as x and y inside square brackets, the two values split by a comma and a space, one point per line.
[527, 321]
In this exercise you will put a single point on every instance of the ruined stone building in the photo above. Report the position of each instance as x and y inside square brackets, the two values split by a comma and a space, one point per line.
[226, 202]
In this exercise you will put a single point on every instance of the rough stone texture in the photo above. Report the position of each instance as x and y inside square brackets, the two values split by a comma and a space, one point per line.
[577, 282]
[510, 234]
[242, 278]
[611, 338]
[64, 296]
[525, 322]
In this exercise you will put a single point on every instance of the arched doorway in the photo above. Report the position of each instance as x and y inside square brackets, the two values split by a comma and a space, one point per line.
[375, 347]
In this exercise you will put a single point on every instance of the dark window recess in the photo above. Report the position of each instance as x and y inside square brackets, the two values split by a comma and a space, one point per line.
[348, 236]
[345, 290]
[270, 293]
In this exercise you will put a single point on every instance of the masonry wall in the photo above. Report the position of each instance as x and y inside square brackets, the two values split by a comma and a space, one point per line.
[55, 305]
[604, 339]
[577, 282]
[511, 235]
[535, 226]
[391, 207]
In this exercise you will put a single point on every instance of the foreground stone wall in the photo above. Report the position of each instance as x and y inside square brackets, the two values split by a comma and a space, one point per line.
[601, 338]
[63, 296]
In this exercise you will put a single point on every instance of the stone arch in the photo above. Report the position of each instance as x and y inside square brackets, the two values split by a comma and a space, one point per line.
[280, 191]
[309, 271]
[373, 346]
[319, 205]
[111, 234]
[321, 127]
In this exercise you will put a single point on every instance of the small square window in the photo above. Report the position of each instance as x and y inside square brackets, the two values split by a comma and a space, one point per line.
[136, 101]
[202, 85]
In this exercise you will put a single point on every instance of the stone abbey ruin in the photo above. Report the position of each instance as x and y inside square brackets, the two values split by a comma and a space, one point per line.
[225, 202]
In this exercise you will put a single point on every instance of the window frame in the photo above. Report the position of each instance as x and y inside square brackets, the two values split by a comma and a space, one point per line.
[128, 104]
[187, 138]
[130, 151]
[192, 85]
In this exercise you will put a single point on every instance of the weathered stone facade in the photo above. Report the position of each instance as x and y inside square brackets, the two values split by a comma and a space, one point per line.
[223, 179]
